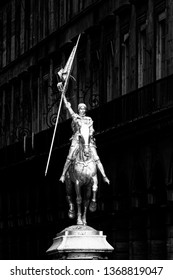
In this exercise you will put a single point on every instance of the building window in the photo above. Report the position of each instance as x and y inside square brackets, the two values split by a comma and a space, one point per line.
[109, 70]
[45, 100]
[34, 87]
[1, 39]
[17, 28]
[141, 55]
[27, 24]
[82, 75]
[13, 35]
[4, 39]
[125, 63]
[8, 33]
[92, 89]
[160, 45]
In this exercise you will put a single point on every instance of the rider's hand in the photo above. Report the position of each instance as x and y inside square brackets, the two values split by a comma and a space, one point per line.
[60, 86]
[62, 179]
[106, 180]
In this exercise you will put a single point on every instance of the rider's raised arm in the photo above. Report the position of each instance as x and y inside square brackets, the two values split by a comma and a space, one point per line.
[68, 107]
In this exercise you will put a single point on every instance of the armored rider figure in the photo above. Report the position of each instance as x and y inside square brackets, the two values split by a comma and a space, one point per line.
[77, 121]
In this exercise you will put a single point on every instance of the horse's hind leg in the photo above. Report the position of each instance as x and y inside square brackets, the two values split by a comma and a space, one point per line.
[69, 195]
[87, 196]
[93, 203]
[79, 202]
[84, 213]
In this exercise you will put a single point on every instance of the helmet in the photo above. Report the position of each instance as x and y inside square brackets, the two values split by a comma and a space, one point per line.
[82, 105]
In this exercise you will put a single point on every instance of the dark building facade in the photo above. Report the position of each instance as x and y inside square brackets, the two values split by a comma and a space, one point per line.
[124, 73]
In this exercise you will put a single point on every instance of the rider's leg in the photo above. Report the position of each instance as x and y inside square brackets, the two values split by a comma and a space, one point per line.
[66, 166]
[67, 163]
[99, 164]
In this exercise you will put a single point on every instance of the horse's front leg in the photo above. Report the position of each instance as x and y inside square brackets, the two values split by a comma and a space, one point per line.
[84, 215]
[71, 211]
[93, 204]
[79, 202]
[69, 195]
[87, 195]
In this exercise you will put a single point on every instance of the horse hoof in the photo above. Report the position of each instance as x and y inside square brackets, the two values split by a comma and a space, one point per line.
[93, 206]
[71, 214]
[79, 222]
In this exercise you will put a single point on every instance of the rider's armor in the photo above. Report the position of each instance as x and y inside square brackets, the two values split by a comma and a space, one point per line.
[76, 125]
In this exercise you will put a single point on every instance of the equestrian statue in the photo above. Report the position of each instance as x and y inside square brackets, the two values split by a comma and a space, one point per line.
[80, 169]
[81, 164]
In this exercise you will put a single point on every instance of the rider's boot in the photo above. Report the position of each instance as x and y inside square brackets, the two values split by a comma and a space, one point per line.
[100, 167]
[66, 166]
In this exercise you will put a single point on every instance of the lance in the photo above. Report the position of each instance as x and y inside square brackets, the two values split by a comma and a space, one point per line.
[65, 76]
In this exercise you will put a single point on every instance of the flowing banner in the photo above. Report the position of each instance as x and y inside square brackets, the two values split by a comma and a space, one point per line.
[64, 75]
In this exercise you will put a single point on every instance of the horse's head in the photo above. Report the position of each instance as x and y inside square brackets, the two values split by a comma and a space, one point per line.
[85, 140]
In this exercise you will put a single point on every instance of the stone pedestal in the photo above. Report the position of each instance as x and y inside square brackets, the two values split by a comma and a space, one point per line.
[79, 242]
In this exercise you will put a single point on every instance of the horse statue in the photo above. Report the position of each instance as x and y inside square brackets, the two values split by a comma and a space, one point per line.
[82, 177]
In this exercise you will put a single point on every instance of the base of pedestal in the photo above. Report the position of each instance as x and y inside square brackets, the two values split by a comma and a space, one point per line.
[80, 242]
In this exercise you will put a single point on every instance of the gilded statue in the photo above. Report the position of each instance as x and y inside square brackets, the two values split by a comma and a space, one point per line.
[82, 162]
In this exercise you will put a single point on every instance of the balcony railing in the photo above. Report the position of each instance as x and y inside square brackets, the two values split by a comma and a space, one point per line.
[135, 105]
[138, 104]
